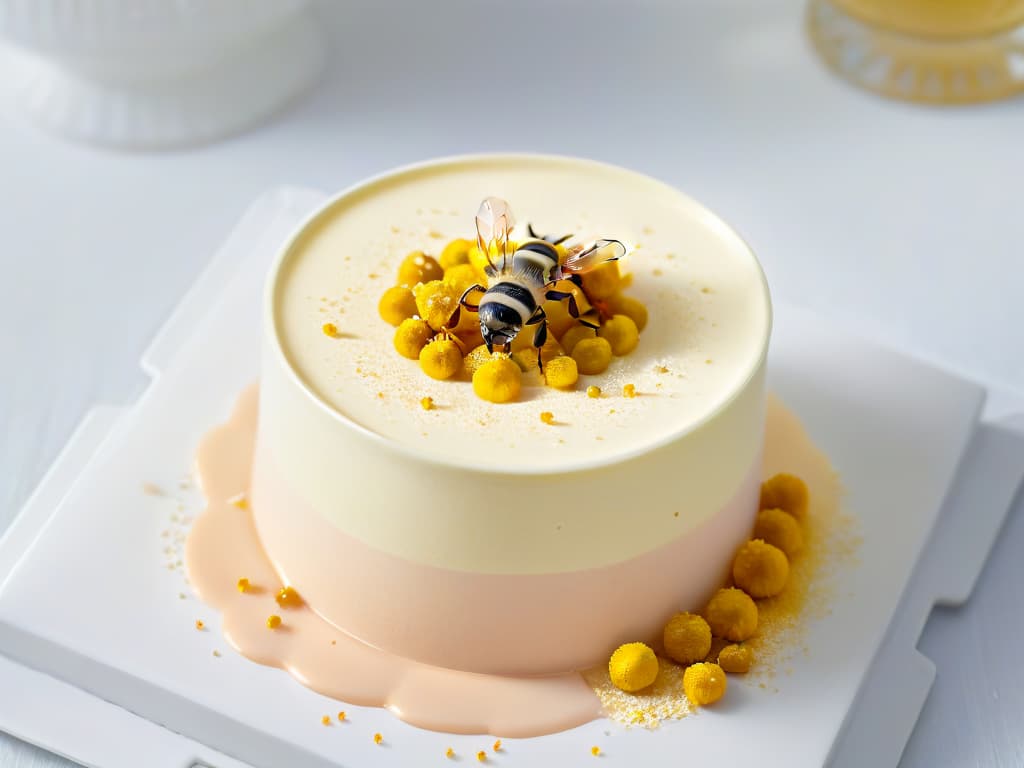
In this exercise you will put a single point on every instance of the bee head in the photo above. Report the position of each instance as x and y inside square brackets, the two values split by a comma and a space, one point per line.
[498, 325]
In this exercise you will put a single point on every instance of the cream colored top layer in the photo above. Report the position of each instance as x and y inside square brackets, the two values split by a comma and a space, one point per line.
[709, 313]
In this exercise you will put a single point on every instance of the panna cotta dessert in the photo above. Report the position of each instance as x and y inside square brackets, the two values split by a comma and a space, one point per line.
[478, 536]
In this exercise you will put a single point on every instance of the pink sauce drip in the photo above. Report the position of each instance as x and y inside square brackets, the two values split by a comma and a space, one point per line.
[223, 546]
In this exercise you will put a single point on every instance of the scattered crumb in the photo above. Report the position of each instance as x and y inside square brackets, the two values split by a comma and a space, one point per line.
[427, 403]
[547, 417]
[216, 653]
[449, 753]
[657, 272]
[660, 369]
[595, 751]
[593, 391]
[341, 716]
[199, 625]
[373, 276]
[182, 596]
[330, 329]
[273, 621]
[152, 489]
[705, 289]
[481, 756]
[629, 390]
[240, 500]
[243, 584]
[377, 738]
[497, 745]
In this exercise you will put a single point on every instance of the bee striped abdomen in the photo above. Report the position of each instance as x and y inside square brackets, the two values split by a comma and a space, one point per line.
[537, 258]
[510, 302]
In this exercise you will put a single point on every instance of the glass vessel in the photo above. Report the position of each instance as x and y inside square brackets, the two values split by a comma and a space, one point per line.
[935, 51]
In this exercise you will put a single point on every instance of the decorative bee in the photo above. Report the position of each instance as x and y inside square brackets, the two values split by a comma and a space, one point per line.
[520, 282]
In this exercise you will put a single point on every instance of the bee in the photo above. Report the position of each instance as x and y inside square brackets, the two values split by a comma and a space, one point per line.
[519, 283]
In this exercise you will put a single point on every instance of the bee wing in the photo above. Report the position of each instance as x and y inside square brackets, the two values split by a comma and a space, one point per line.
[579, 261]
[494, 222]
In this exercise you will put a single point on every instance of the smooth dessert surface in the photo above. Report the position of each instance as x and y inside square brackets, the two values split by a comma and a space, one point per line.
[709, 313]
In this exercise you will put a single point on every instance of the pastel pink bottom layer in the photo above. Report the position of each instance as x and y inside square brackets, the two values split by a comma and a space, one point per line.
[499, 624]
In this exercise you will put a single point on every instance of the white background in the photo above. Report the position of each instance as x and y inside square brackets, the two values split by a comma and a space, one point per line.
[902, 221]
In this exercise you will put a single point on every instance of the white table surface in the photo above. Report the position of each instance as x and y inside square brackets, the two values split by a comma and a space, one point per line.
[902, 221]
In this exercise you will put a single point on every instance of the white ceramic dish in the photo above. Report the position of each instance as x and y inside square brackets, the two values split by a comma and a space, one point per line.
[143, 75]
[896, 430]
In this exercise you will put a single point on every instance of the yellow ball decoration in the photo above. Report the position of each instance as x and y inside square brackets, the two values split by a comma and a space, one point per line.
[603, 281]
[736, 659]
[787, 492]
[456, 252]
[592, 356]
[621, 333]
[461, 277]
[732, 614]
[574, 336]
[780, 529]
[632, 308]
[561, 372]
[498, 381]
[633, 667]
[704, 683]
[441, 359]
[687, 638]
[435, 302]
[411, 336]
[417, 267]
[760, 569]
[396, 305]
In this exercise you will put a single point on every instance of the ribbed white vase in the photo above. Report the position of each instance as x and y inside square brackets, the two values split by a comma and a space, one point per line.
[142, 74]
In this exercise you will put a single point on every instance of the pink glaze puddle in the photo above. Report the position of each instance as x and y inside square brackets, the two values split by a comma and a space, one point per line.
[223, 546]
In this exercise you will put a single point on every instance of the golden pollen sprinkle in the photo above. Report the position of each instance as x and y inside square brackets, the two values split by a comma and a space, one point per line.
[273, 621]
[377, 738]
[239, 501]
[481, 756]
[287, 597]
[449, 753]
[629, 390]
[595, 751]
[243, 584]
[330, 329]
[199, 624]
[497, 745]
[427, 403]
[326, 719]
[341, 716]
[547, 417]
[593, 391]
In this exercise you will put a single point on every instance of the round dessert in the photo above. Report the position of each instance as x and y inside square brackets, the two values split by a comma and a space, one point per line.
[482, 536]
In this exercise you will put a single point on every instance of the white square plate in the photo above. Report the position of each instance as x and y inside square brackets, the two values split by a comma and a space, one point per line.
[87, 599]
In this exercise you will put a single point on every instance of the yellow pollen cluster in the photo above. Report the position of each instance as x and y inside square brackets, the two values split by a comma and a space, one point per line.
[341, 716]
[330, 329]
[732, 614]
[497, 746]
[432, 327]
[593, 391]
[243, 584]
[547, 417]
[737, 659]
[629, 390]
[704, 683]
[449, 753]
[633, 667]
[687, 638]
[273, 621]
[377, 738]
[427, 403]
[199, 624]
[325, 720]
[481, 756]
[760, 569]
[595, 751]
[287, 597]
